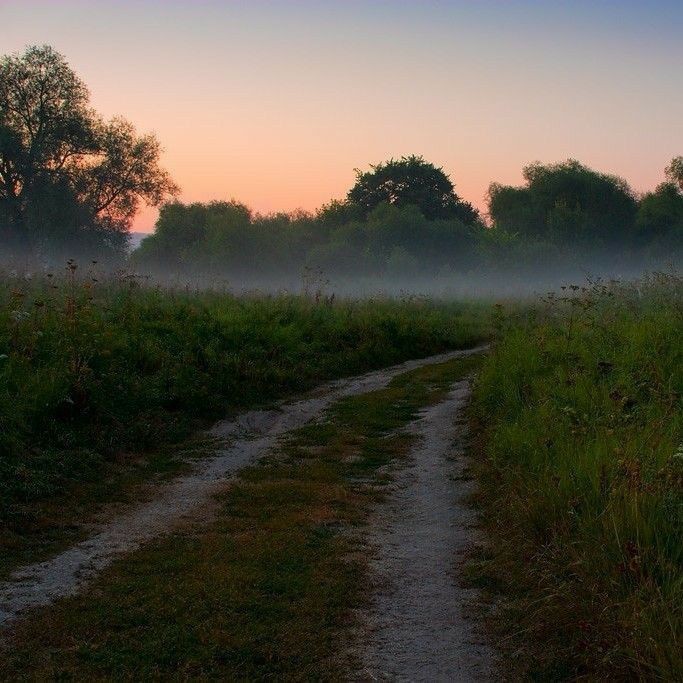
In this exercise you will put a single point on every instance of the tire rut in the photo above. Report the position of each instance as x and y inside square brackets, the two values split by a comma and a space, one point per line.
[417, 628]
[247, 438]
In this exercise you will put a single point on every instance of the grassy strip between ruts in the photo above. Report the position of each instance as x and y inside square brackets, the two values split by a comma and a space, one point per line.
[581, 475]
[265, 590]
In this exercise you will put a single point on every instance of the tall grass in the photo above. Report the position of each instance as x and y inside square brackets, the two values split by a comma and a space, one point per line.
[582, 482]
[90, 370]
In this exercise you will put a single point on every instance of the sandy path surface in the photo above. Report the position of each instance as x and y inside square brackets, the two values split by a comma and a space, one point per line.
[416, 629]
[248, 437]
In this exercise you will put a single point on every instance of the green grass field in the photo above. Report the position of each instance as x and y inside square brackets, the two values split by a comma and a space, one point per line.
[581, 446]
[100, 382]
[578, 450]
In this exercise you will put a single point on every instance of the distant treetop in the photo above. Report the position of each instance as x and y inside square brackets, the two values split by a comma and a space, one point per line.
[565, 202]
[410, 181]
[674, 171]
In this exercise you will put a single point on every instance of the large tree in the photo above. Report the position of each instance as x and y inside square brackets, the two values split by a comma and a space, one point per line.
[660, 214]
[566, 203]
[64, 172]
[410, 181]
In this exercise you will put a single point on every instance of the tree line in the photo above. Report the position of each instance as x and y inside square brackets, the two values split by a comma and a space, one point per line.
[403, 219]
[71, 184]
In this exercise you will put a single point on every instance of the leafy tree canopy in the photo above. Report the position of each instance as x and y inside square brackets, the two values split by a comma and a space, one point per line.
[410, 181]
[565, 202]
[58, 158]
[660, 218]
[660, 214]
[674, 171]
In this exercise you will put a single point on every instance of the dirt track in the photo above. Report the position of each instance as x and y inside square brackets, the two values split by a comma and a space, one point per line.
[246, 439]
[416, 629]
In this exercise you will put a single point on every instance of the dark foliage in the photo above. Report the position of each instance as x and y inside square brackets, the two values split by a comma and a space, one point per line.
[410, 181]
[566, 203]
[69, 181]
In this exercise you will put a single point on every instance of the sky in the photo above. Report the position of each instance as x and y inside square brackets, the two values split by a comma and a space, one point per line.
[275, 103]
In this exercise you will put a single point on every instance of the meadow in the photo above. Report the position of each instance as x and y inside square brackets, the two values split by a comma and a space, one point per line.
[580, 461]
[109, 383]
[577, 436]
[101, 377]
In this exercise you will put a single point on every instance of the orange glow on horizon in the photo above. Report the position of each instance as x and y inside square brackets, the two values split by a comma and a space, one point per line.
[274, 104]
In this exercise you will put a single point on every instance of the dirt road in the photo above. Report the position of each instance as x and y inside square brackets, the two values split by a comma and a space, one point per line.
[246, 438]
[417, 628]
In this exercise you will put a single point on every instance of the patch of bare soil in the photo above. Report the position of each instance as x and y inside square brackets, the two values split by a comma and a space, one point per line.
[417, 628]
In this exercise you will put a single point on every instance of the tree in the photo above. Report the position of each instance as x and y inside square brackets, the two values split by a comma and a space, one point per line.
[54, 148]
[674, 171]
[337, 213]
[660, 214]
[513, 210]
[126, 172]
[410, 181]
[566, 203]
[188, 235]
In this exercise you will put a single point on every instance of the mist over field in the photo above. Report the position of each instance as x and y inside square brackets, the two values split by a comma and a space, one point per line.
[403, 228]
[400, 434]
[71, 184]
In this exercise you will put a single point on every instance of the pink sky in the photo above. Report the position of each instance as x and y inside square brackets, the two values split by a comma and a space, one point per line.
[275, 103]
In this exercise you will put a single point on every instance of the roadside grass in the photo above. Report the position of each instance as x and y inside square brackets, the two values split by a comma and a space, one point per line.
[580, 429]
[264, 590]
[102, 381]
[59, 521]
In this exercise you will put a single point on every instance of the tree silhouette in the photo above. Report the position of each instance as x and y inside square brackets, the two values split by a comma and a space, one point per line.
[566, 203]
[57, 157]
[410, 181]
[674, 171]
